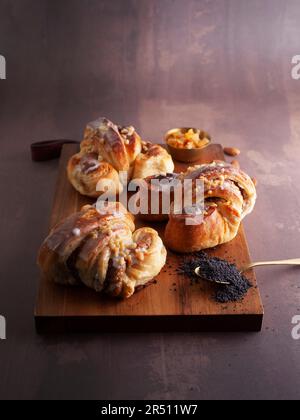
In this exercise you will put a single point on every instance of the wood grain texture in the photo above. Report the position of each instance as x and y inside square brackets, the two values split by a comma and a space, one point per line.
[172, 304]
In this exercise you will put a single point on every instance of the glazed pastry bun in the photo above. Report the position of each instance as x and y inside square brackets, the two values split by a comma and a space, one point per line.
[101, 250]
[229, 196]
[154, 160]
[108, 151]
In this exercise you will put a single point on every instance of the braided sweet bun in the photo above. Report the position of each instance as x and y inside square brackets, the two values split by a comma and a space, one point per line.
[85, 170]
[119, 146]
[108, 149]
[101, 250]
[229, 195]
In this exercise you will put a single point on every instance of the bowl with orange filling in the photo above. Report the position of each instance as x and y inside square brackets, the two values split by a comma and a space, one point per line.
[186, 144]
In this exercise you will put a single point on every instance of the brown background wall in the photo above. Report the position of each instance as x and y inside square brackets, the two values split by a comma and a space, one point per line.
[221, 64]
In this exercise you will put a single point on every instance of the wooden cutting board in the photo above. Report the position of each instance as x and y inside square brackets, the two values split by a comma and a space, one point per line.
[172, 304]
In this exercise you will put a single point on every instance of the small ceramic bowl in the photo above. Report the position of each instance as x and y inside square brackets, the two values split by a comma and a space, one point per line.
[185, 154]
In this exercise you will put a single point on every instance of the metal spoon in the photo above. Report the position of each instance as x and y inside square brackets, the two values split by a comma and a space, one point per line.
[295, 261]
[198, 272]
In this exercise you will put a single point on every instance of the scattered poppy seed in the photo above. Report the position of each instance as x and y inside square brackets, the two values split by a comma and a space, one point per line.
[216, 269]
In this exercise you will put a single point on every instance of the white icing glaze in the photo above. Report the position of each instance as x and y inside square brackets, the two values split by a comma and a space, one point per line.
[95, 165]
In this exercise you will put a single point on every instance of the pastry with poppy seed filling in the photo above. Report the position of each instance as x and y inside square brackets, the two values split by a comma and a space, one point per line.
[102, 250]
[229, 196]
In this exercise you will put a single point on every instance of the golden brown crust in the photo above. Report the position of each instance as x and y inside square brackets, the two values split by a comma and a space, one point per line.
[115, 148]
[105, 151]
[219, 226]
[98, 248]
[223, 179]
[89, 175]
[112, 149]
[229, 195]
[154, 160]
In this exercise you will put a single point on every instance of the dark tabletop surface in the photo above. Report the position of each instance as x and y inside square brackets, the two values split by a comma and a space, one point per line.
[224, 65]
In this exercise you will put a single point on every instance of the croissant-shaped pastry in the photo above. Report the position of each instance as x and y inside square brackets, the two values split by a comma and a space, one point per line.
[229, 195]
[107, 150]
[102, 250]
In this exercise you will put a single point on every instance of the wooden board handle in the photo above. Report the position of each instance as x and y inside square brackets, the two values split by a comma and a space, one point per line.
[49, 149]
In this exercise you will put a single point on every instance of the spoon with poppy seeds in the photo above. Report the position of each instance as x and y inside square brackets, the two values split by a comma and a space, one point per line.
[231, 283]
[200, 274]
[222, 280]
